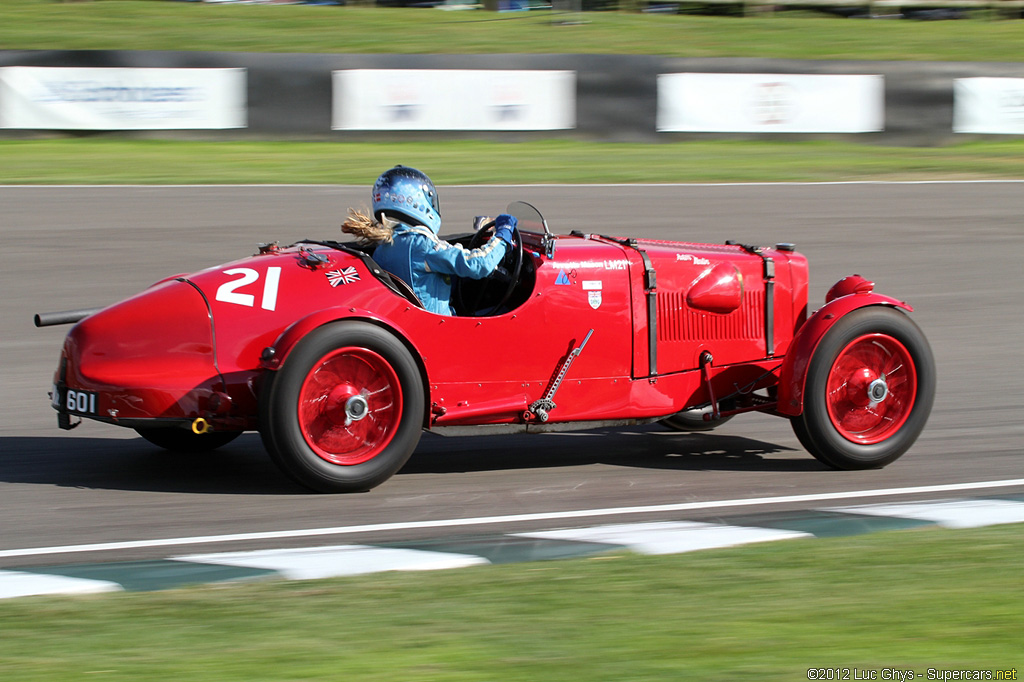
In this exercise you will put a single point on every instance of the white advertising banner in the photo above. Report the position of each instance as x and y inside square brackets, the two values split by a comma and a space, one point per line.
[770, 103]
[988, 106]
[59, 98]
[423, 99]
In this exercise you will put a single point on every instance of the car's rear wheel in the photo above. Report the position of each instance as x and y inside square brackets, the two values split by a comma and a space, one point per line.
[345, 412]
[185, 441]
[869, 390]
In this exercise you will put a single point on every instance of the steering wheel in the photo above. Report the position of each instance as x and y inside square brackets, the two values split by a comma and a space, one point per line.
[505, 274]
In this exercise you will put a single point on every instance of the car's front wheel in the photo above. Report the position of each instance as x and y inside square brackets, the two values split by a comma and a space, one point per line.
[869, 390]
[345, 411]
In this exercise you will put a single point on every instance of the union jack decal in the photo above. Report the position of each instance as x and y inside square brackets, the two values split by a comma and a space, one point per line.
[346, 276]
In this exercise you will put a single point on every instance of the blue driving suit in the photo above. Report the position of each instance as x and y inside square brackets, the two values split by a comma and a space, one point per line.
[426, 262]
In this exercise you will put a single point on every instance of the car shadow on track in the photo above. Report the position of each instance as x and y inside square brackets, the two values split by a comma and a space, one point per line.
[243, 467]
[649, 447]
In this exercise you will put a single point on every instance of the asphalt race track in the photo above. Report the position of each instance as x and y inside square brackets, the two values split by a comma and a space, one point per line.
[951, 250]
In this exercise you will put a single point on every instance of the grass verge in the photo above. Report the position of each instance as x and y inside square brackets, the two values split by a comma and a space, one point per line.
[910, 600]
[183, 26]
[118, 161]
[158, 25]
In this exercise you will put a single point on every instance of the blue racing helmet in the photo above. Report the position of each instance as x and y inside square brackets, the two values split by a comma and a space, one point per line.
[409, 193]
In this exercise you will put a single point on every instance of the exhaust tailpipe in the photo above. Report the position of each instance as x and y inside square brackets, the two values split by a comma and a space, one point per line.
[63, 317]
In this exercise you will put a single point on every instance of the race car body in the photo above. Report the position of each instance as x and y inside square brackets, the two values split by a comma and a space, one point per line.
[338, 366]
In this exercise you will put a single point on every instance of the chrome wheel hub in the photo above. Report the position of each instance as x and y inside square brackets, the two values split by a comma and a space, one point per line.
[356, 408]
[878, 390]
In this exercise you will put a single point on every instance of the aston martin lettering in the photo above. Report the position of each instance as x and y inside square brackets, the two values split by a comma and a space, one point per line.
[228, 292]
[696, 260]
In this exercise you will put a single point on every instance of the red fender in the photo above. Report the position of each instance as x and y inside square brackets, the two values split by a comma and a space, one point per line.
[295, 332]
[298, 329]
[847, 295]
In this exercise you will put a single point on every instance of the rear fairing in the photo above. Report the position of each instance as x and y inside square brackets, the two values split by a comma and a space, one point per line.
[190, 346]
[149, 357]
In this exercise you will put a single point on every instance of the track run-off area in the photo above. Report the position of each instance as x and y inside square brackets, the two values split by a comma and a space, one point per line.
[101, 494]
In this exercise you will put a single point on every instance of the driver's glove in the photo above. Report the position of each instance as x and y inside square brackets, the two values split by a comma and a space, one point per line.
[503, 226]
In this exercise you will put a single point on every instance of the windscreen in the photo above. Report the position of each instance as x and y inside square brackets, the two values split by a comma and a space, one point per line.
[530, 219]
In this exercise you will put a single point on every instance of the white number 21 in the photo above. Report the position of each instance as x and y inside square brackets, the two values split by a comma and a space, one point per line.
[228, 292]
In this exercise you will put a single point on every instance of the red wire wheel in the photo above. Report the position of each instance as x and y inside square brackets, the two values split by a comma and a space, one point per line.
[346, 410]
[350, 406]
[871, 388]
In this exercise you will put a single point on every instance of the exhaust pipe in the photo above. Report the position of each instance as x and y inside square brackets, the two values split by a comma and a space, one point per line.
[63, 317]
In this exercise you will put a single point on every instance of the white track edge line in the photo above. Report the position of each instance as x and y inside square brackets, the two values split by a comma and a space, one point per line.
[490, 520]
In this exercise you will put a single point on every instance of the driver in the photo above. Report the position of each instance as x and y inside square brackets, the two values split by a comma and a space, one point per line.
[404, 226]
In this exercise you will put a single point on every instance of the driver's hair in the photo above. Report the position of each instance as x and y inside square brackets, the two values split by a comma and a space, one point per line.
[368, 230]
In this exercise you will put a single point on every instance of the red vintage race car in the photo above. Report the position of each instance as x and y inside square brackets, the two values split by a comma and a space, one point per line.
[339, 368]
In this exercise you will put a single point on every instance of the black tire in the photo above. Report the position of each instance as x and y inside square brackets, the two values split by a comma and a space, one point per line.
[869, 390]
[346, 410]
[692, 421]
[185, 441]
